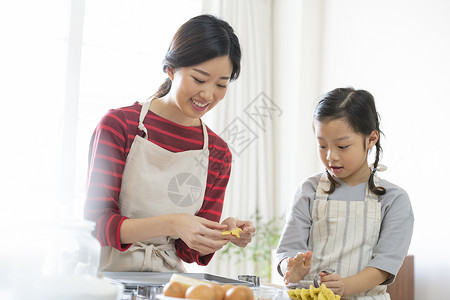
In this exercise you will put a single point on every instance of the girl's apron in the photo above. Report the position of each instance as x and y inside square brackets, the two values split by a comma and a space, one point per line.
[343, 235]
[156, 182]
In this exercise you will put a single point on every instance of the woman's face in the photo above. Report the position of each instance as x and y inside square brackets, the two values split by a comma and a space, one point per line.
[343, 151]
[197, 89]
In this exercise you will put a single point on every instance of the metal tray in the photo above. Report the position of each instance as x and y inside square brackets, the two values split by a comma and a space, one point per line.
[132, 279]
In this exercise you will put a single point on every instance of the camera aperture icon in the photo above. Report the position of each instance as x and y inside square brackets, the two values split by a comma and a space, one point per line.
[184, 189]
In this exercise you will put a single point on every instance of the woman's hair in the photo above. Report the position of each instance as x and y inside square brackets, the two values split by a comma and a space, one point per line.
[357, 107]
[200, 39]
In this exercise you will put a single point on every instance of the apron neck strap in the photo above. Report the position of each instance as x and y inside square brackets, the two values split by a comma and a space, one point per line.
[324, 185]
[369, 194]
[205, 136]
[144, 111]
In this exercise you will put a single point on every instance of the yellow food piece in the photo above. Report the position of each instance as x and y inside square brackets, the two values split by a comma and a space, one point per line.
[320, 293]
[234, 232]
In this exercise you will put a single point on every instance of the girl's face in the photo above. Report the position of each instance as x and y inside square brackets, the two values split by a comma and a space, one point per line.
[343, 151]
[197, 89]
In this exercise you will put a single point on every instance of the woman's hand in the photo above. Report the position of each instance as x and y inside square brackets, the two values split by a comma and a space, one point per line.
[298, 267]
[248, 231]
[334, 282]
[200, 234]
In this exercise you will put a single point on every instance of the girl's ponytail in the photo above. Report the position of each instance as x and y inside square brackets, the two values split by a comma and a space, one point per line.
[333, 183]
[377, 190]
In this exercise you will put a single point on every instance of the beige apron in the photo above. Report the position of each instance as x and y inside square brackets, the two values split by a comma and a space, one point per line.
[344, 234]
[157, 182]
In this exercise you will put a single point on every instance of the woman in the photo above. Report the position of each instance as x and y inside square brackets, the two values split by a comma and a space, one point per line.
[157, 174]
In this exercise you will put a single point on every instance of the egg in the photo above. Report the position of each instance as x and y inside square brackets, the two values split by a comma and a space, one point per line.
[174, 289]
[219, 292]
[239, 292]
[200, 292]
[226, 287]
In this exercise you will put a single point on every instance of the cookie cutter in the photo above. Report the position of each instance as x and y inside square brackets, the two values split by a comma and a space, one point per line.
[327, 271]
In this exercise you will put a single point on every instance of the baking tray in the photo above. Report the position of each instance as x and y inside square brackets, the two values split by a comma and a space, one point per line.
[132, 279]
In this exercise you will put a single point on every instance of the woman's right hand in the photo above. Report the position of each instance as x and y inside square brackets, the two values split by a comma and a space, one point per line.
[200, 234]
[298, 267]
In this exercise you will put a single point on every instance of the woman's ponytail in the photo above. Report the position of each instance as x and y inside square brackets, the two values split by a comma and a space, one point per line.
[163, 89]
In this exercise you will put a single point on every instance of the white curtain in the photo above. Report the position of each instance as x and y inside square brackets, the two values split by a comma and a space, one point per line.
[245, 120]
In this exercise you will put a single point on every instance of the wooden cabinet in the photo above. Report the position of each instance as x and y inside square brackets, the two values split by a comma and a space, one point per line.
[403, 286]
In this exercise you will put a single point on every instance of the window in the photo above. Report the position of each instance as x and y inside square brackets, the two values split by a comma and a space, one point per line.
[65, 64]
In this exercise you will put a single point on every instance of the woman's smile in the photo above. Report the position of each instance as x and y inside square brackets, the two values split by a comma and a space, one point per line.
[199, 105]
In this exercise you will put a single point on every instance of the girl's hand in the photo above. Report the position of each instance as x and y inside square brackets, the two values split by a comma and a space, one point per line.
[298, 267]
[248, 231]
[334, 282]
[200, 234]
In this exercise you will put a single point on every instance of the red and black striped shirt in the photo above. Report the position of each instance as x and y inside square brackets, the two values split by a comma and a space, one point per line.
[110, 145]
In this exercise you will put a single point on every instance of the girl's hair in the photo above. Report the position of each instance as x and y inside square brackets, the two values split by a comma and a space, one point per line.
[200, 39]
[357, 107]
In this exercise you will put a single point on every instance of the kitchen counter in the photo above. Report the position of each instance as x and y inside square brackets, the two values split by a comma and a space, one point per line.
[268, 291]
[154, 281]
[263, 292]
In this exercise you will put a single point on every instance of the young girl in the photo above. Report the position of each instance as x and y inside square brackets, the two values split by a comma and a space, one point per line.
[346, 219]
[157, 174]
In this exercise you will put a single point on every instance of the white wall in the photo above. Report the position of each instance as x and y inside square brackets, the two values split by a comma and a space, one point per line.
[400, 52]
[296, 84]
